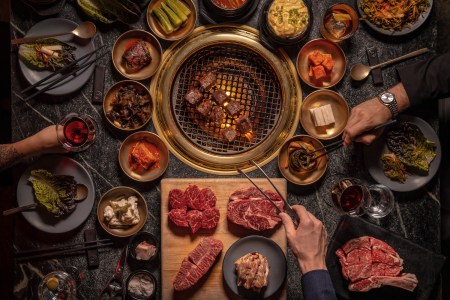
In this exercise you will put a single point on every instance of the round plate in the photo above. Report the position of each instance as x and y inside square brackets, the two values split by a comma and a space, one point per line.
[265, 246]
[44, 221]
[324, 46]
[70, 84]
[340, 113]
[153, 139]
[422, 18]
[307, 177]
[114, 193]
[373, 152]
[180, 32]
[152, 44]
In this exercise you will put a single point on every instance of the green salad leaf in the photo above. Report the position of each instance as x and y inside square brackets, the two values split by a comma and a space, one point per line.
[56, 193]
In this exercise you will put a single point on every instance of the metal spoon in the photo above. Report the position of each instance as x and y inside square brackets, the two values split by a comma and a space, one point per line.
[360, 71]
[85, 30]
[82, 192]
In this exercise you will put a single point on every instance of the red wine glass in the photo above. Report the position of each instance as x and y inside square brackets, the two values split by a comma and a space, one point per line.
[76, 132]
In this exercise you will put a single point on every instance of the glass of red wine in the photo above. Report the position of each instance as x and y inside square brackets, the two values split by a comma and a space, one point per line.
[353, 197]
[76, 132]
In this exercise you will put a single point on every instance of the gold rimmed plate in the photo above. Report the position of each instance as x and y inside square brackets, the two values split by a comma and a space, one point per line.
[118, 193]
[155, 171]
[325, 47]
[340, 112]
[307, 177]
[178, 34]
[123, 43]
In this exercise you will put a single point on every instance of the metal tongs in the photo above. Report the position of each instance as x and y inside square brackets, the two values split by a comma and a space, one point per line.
[286, 206]
[114, 287]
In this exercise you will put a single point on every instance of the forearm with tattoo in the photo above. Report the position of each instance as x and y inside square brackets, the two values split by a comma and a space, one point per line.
[9, 156]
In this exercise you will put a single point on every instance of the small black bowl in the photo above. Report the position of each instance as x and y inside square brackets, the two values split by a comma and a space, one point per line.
[141, 273]
[136, 240]
[228, 12]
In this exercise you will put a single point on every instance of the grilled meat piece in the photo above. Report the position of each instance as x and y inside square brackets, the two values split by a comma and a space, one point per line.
[204, 108]
[220, 97]
[243, 124]
[233, 108]
[136, 56]
[229, 134]
[252, 271]
[217, 115]
[193, 96]
[207, 81]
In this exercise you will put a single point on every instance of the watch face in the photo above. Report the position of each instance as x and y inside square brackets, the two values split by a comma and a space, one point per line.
[387, 98]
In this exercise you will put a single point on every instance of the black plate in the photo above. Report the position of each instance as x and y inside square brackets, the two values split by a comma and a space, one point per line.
[416, 259]
[422, 18]
[413, 182]
[265, 246]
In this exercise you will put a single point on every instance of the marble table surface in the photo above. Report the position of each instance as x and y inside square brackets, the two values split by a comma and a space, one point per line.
[416, 215]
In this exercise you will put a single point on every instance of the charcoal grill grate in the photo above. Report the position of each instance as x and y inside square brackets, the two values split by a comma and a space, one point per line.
[247, 78]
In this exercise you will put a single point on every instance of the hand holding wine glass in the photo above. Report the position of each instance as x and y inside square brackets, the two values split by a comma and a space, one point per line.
[76, 132]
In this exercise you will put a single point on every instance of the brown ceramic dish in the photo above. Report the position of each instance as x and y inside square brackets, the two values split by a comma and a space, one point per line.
[305, 178]
[125, 192]
[152, 138]
[180, 32]
[153, 45]
[136, 240]
[340, 113]
[110, 95]
[147, 274]
[324, 46]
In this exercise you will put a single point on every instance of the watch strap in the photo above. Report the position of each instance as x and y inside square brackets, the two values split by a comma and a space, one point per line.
[392, 106]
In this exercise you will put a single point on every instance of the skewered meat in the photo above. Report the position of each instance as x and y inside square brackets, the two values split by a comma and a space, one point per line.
[243, 124]
[204, 108]
[217, 115]
[233, 108]
[136, 56]
[220, 97]
[252, 271]
[229, 134]
[193, 96]
[207, 81]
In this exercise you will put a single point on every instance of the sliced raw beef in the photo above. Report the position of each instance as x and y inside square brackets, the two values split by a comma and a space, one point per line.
[200, 199]
[250, 209]
[371, 263]
[195, 219]
[179, 217]
[176, 199]
[210, 218]
[191, 194]
[197, 263]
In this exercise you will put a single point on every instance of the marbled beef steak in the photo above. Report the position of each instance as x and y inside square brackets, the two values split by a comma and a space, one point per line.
[197, 263]
[371, 263]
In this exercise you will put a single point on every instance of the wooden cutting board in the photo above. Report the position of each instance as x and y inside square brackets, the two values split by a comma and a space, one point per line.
[176, 242]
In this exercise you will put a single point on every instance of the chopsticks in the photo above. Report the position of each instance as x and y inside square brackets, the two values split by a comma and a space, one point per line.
[61, 250]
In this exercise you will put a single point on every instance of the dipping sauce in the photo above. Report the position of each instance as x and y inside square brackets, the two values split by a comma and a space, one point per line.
[288, 18]
[141, 286]
[230, 4]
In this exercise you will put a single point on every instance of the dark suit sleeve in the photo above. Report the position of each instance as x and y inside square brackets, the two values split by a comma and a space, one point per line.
[427, 80]
[317, 285]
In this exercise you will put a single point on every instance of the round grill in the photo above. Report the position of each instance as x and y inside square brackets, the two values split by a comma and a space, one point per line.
[247, 78]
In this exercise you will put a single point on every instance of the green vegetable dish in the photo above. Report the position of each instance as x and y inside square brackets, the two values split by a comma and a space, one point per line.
[47, 54]
[56, 193]
[171, 15]
[411, 152]
[108, 11]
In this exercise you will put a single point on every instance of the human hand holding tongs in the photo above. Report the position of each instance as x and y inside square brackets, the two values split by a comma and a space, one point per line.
[114, 287]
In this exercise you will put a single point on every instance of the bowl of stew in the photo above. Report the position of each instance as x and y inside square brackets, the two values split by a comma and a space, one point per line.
[228, 8]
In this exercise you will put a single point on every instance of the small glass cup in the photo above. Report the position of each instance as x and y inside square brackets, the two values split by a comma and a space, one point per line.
[76, 132]
[353, 197]
[339, 22]
[57, 285]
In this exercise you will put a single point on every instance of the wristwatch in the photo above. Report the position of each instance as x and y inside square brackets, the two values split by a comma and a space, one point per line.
[388, 100]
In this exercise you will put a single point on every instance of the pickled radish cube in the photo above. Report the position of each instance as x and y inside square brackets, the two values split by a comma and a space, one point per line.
[319, 72]
[328, 64]
[315, 58]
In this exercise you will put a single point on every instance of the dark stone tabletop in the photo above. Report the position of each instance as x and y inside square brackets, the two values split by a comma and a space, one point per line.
[416, 216]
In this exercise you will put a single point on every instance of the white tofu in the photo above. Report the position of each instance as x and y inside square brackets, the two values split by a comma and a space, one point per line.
[322, 115]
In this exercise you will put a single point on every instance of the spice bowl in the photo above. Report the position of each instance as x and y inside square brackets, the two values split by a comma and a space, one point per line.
[141, 285]
[137, 240]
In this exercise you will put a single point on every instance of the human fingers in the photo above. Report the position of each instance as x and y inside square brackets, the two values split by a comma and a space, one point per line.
[287, 222]
[303, 215]
[366, 139]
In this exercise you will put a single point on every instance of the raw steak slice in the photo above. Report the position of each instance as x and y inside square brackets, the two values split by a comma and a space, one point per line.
[255, 214]
[200, 199]
[191, 194]
[176, 199]
[210, 218]
[179, 217]
[371, 263]
[195, 219]
[197, 263]
[253, 193]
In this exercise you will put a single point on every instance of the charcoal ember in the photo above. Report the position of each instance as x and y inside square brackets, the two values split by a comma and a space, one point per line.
[243, 124]
[233, 108]
[220, 97]
[217, 115]
[193, 96]
[207, 81]
[229, 134]
[204, 108]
